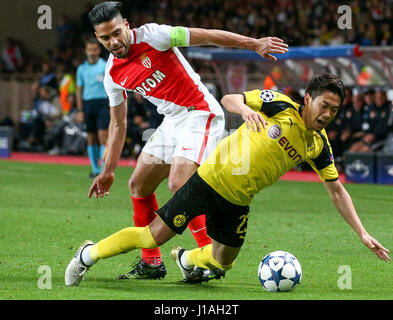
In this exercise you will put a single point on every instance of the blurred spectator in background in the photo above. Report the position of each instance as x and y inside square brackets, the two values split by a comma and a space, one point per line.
[65, 32]
[303, 22]
[352, 122]
[388, 145]
[7, 122]
[369, 36]
[384, 37]
[46, 106]
[382, 126]
[85, 29]
[93, 104]
[40, 119]
[136, 124]
[67, 90]
[337, 136]
[298, 23]
[153, 118]
[295, 96]
[381, 101]
[12, 56]
[369, 98]
[27, 119]
[374, 124]
[49, 78]
[141, 116]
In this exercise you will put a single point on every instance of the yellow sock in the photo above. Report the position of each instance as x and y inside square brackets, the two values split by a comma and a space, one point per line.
[203, 258]
[123, 241]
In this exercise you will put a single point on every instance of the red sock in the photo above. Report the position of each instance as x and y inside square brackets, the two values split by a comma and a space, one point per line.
[144, 213]
[197, 227]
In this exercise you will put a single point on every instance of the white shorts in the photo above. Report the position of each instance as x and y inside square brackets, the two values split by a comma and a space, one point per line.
[192, 135]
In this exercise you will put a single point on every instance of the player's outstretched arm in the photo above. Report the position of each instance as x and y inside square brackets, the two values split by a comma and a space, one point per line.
[344, 205]
[116, 137]
[263, 46]
[235, 103]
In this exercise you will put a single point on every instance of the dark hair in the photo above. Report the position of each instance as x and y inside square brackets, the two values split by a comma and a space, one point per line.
[295, 96]
[326, 82]
[104, 12]
[92, 40]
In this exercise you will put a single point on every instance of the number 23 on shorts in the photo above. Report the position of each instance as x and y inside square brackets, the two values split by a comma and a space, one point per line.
[242, 228]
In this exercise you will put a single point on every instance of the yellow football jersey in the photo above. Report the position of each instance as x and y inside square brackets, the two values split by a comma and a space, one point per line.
[246, 162]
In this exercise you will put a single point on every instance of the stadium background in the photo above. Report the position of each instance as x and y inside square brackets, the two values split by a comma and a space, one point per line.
[44, 211]
[48, 60]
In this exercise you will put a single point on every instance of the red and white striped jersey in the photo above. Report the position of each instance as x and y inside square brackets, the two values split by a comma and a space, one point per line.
[158, 72]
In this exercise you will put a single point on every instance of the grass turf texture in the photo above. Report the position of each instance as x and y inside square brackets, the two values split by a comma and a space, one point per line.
[45, 215]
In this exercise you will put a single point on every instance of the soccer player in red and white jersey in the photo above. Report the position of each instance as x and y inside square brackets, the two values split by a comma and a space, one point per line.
[146, 60]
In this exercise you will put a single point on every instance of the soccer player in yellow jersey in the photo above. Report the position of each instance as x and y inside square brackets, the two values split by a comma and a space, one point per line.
[242, 165]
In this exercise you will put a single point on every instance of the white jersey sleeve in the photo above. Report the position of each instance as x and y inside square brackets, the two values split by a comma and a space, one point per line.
[160, 37]
[116, 93]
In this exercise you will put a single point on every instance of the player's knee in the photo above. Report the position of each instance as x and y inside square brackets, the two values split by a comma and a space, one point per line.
[135, 186]
[149, 241]
[139, 188]
[92, 140]
[131, 185]
[174, 185]
[160, 232]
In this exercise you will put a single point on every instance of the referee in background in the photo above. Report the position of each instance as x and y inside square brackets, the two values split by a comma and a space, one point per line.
[93, 104]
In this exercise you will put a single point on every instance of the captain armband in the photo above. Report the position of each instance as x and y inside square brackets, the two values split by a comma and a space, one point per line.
[180, 37]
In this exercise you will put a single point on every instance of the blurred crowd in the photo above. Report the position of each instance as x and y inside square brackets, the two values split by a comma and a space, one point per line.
[303, 22]
[364, 123]
[361, 126]
[46, 128]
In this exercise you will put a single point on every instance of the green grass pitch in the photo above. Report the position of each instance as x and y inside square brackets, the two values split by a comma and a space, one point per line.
[45, 215]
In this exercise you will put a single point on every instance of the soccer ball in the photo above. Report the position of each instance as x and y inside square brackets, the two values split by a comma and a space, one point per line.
[279, 271]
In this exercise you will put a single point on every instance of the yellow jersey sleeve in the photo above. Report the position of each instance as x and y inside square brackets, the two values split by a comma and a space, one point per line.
[326, 174]
[323, 164]
[253, 99]
[268, 101]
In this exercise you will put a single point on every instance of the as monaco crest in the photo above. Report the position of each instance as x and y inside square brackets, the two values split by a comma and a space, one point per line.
[145, 61]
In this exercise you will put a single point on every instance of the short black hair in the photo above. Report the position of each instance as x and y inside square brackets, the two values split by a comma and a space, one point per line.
[104, 12]
[92, 40]
[326, 82]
